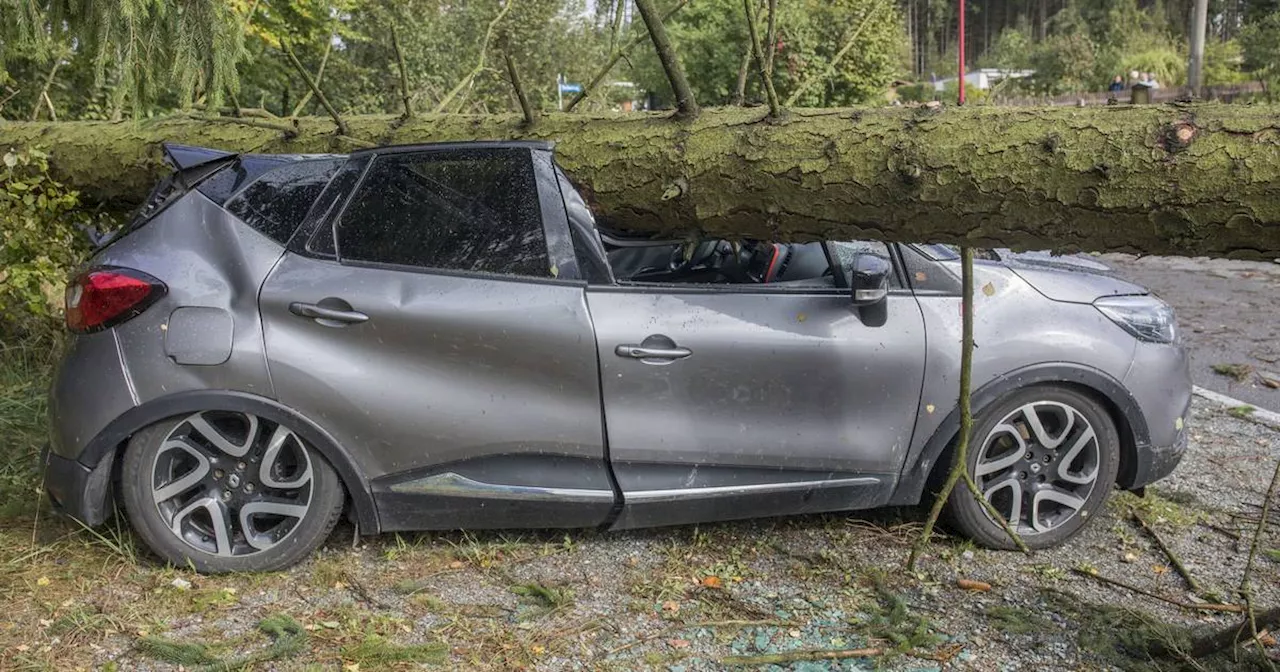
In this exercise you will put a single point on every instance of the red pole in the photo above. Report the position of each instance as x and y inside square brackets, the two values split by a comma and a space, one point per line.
[961, 101]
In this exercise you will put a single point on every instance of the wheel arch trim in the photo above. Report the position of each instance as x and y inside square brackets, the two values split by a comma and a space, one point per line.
[119, 430]
[1130, 422]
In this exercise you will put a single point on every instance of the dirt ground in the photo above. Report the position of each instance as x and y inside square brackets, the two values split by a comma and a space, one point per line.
[689, 598]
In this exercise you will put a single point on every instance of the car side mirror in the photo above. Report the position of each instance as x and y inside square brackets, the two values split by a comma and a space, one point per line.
[869, 279]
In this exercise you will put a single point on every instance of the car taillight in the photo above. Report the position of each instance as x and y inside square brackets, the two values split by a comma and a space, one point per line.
[106, 296]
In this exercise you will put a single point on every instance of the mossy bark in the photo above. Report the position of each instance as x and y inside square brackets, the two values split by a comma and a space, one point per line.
[1190, 180]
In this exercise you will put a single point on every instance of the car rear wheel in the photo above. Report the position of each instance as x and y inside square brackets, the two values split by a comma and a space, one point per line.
[1046, 459]
[228, 491]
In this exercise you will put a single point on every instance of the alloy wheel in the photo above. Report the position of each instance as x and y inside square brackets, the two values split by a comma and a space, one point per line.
[1039, 465]
[231, 484]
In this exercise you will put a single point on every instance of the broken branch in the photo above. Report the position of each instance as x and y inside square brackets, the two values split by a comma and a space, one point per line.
[798, 656]
[315, 89]
[525, 108]
[1233, 608]
[475, 72]
[1173, 558]
[404, 73]
[44, 92]
[306, 97]
[766, 80]
[617, 55]
[686, 106]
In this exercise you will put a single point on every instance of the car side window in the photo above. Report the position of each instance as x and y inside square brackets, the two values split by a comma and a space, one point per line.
[845, 253]
[464, 210]
[276, 203]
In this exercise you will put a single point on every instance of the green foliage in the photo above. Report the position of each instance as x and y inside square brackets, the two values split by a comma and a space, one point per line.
[24, 386]
[1260, 42]
[41, 240]
[376, 650]
[287, 639]
[711, 38]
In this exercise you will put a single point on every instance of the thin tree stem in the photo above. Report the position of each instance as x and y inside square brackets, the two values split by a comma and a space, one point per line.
[744, 69]
[616, 56]
[306, 97]
[404, 73]
[830, 70]
[315, 89]
[514, 75]
[771, 37]
[686, 106]
[960, 464]
[44, 92]
[753, 34]
[475, 72]
[1246, 589]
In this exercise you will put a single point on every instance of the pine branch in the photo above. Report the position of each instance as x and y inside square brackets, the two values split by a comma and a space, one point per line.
[475, 72]
[315, 88]
[686, 106]
[830, 70]
[753, 34]
[617, 55]
[404, 73]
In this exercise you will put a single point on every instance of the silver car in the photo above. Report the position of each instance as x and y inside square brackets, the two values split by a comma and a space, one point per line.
[443, 336]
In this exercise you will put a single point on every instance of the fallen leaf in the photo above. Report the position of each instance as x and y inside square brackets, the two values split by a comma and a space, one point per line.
[351, 667]
[1159, 569]
[712, 582]
[678, 643]
[538, 649]
[42, 581]
[44, 622]
[332, 625]
[671, 606]
[23, 648]
[456, 564]
[970, 584]
[989, 289]
[1129, 557]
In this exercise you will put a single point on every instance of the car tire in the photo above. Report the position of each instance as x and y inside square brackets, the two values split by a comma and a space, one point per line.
[1047, 455]
[228, 492]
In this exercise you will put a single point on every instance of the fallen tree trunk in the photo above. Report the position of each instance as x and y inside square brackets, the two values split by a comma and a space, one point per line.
[1191, 180]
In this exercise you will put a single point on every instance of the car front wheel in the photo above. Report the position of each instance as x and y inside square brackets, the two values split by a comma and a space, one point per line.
[1046, 459]
[228, 491]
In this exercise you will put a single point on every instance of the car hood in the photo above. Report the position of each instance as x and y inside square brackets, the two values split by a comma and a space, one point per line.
[1070, 278]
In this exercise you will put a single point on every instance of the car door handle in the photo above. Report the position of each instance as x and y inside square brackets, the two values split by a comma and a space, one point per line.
[322, 314]
[642, 352]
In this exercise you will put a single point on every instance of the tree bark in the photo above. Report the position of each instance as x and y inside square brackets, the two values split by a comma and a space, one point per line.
[1190, 180]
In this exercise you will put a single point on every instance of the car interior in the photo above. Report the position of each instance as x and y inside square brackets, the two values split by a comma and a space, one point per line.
[718, 261]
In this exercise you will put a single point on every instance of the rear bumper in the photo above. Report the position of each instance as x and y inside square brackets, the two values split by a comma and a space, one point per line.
[76, 490]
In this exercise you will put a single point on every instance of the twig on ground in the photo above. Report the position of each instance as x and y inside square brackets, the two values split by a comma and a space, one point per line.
[358, 590]
[1173, 557]
[1233, 608]
[1246, 589]
[799, 656]
[1223, 531]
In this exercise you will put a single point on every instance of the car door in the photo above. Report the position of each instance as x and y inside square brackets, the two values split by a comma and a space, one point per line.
[731, 401]
[432, 327]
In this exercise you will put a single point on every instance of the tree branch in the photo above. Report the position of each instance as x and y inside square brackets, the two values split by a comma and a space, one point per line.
[1246, 589]
[771, 37]
[830, 70]
[744, 69]
[1197, 606]
[514, 76]
[475, 72]
[686, 106]
[404, 73]
[315, 88]
[617, 55]
[44, 92]
[753, 34]
[306, 97]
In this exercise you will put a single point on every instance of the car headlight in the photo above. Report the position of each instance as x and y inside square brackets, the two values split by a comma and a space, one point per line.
[1146, 317]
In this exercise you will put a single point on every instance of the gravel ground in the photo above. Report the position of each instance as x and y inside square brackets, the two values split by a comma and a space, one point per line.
[689, 598]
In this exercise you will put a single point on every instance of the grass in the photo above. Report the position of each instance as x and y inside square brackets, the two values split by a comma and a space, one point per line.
[24, 384]
[1243, 411]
